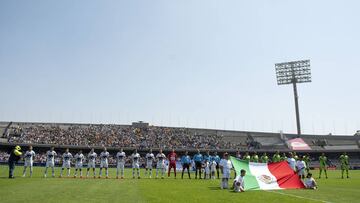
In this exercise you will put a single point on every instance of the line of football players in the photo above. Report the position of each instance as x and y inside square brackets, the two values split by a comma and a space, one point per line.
[207, 164]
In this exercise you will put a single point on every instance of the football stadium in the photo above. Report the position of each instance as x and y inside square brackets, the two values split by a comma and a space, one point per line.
[168, 101]
[155, 185]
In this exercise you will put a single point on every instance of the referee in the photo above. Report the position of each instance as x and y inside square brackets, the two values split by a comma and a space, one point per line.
[198, 159]
[186, 162]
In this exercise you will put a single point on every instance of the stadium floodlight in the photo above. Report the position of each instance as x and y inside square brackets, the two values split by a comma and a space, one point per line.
[292, 73]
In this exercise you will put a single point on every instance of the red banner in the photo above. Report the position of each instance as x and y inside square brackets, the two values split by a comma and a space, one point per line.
[298, 144]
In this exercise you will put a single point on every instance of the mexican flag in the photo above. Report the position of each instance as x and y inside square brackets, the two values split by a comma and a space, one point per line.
[271, 176]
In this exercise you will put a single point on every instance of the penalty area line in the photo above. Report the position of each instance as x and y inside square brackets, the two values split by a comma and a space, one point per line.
[300, 197]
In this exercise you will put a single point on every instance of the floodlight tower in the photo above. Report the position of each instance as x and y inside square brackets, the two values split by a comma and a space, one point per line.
[292, 73]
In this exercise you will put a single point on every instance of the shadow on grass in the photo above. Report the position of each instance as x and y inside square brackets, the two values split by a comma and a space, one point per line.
[218, 188]
[214, 188]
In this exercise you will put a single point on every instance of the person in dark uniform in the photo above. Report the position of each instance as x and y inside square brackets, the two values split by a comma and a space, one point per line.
[15, 156]
[198, 159]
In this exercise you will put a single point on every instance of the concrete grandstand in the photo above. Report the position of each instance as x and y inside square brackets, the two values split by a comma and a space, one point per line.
[143, 136]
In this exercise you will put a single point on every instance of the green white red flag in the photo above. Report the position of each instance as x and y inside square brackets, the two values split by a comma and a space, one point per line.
[268, 176]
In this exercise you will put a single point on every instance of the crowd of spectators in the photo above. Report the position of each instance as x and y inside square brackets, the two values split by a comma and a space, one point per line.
[118, 136]
[4, 156]
[12, 130]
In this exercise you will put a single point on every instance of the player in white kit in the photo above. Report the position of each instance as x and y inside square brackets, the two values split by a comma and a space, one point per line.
[207, 170]
[104, 155]
[300, 167]
[67, 156]
[149, 163]
[135, 163]
[29, 157]
[213, 168]
[225, 166]
[50, 161]
[79, 158]
[310, 182]
[291, 161]
[91, 162]
[120, 159]
[160, 165]
[239, 183]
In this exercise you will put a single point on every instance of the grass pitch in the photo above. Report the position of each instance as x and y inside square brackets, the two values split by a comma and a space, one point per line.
[39, 189]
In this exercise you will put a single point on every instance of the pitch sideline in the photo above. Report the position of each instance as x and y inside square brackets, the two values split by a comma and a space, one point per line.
[300, 197]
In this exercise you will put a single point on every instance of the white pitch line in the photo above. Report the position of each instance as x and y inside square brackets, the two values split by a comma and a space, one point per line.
[301, 197]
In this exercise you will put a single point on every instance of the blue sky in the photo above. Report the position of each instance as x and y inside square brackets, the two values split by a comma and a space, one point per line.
[200, 63]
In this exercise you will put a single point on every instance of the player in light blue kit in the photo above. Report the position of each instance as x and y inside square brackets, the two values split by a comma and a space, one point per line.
[186, 163]
[198, 159]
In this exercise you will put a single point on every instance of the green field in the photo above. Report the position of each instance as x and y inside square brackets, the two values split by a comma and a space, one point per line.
[39, 189]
